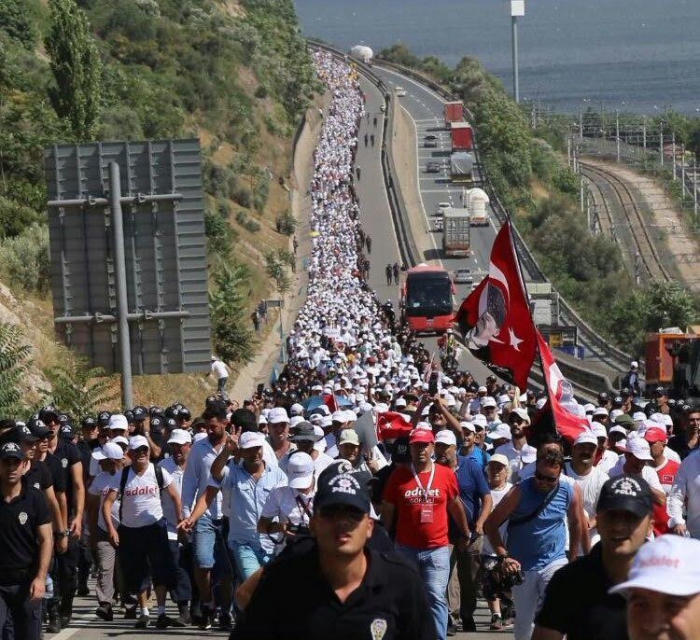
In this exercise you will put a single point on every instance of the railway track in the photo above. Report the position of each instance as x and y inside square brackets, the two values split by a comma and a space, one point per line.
[632, 230]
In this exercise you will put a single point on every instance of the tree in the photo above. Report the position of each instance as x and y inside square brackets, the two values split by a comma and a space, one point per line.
[76, 67]
[14, 365]
[80, 390]
[231, 330]
[17, 19]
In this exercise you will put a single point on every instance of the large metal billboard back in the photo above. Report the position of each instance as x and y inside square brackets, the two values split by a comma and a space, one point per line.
[165, 248]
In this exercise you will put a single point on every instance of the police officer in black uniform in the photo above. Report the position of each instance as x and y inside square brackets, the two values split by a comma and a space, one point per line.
[26, 542]
[345, 589]
[66, 573]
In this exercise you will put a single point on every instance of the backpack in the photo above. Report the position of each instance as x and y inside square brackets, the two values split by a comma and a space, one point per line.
[123, 480]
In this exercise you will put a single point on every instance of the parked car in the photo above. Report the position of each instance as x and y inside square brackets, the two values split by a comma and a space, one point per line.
[463, 276]
[430, 142]
[441, 208]
[433, 167]
[400, 91]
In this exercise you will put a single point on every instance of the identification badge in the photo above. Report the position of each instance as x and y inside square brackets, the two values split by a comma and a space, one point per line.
[426, 514]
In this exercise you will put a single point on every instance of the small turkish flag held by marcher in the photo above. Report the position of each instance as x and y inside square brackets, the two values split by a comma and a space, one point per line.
[568, 416]
[495, 319]
[392, 424]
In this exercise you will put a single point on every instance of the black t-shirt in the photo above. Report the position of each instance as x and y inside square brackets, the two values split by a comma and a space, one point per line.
[19, 523]
[58, 475]
[679, 443]
[389, 604]
[68, 455]
[38, 476]
[577, 602]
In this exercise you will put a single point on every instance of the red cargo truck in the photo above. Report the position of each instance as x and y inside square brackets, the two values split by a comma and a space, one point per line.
[454, 112]
[462, 136]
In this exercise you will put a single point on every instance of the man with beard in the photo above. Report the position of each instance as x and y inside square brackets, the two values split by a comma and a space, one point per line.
[518, 451]
[211, 530]
[577, 603]
[180, 443]
[591, 480]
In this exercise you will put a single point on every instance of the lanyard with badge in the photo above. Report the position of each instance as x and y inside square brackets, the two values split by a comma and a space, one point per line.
[426, 508]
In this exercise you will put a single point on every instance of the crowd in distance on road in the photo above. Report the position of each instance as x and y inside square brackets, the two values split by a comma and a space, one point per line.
[364, 494]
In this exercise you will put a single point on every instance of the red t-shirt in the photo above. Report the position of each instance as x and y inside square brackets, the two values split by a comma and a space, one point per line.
[667, 474]
[403, 492]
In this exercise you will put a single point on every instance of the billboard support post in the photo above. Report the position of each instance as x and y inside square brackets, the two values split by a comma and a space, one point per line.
[120, 273]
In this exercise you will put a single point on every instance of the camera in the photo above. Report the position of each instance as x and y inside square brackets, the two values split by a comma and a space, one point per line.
[496, 583]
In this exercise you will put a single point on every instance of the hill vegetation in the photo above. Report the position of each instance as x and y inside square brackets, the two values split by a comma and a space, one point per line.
[234, 73]
[541, 194]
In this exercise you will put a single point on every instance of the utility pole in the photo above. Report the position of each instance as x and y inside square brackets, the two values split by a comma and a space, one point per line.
[617, 133]
[517, 10]
[673, 153]
[115, 193]
[695, 195]
[661, 143]
[682, 173]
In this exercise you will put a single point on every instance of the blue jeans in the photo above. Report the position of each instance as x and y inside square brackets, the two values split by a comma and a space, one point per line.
[434, 567]
[248, 558]
[210, 546]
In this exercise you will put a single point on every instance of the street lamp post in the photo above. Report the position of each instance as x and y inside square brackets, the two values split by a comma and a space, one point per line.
[517, 10]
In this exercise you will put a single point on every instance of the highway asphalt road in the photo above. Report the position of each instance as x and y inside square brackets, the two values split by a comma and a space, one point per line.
[425, 107]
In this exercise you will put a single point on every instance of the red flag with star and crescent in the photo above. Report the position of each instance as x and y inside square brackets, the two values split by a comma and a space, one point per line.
[495, 319]
[568, 416]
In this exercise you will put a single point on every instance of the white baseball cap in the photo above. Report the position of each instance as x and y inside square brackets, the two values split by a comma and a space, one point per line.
[522, 414]
[300, 470]
[500, 458]
[295, 420]
[586, 437]
[599, 430]
[600, 411]
[296, 409]
[618, 429]
[109, 450]
[118, 422]
[501, 432]
[488, 402]
[320, 444]
[639, 416]
[277, 415]
[348, 436]
[400, 402]
[480, 420]
[447, 437]
[121, 440]
[469, 426]
[251, 439]
[179, 436]
[669, 564]
[639, 448]
[136, 442]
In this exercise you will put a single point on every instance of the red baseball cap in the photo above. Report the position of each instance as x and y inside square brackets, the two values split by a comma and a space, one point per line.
[424, 436]
[655, 434]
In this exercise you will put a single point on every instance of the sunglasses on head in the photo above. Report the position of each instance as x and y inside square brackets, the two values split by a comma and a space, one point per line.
[543, 478]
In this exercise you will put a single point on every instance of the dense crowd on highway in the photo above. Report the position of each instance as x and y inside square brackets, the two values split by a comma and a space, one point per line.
[363, 494]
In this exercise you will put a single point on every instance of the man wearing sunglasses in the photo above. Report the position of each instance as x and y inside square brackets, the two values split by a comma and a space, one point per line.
[536, 509]
[347, 586]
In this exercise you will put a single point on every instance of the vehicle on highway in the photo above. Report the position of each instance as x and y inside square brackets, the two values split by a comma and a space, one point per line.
[433, 167]
[400, 91]
[427, 299]
[430, 142]
[441, 208]
[438, 224]
[456, 237]
[463, 276]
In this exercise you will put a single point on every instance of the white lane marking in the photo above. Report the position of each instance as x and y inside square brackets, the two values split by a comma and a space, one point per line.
[422, 87]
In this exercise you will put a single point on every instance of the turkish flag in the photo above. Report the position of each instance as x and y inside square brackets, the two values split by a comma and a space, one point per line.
[330, 401]
[495, 319]
[392, 424]
[568, 416]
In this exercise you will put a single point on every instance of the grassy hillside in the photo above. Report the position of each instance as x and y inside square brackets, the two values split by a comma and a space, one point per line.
[234, 73]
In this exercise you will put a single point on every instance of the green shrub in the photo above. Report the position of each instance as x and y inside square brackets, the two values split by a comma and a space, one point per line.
[253, 226]
[14, 366]
[25, 261]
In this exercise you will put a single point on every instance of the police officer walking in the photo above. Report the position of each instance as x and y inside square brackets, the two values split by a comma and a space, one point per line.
[349, 590]
[26, 542]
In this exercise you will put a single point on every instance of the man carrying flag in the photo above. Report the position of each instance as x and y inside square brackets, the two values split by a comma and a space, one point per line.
[495, 319]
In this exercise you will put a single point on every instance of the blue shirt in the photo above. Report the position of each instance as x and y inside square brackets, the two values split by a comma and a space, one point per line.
[542, 540]
[481, 456]
[247, 498]
[472, 487]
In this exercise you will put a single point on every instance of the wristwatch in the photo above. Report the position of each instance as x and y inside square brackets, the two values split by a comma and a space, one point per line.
[62, 534]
